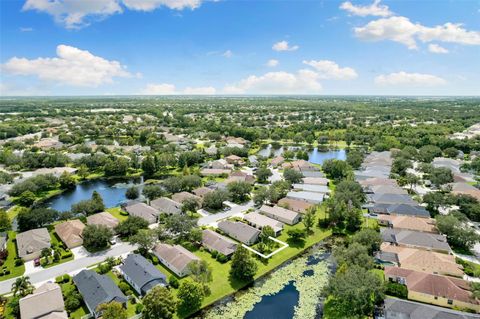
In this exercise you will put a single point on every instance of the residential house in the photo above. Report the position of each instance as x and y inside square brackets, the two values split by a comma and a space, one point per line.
[316, 181]
[281, 214]
[142, 210]
[45, 302]
[298, 206]
[236, 142]
[176, 258]
[31, 243]
[214, 171]
[300, 165]
[182, 196]
[415, 239]
[434, 289]
[166, 205]
[239, 176]
[234, 160]
[408, 223]
[213, 241]
[70, 232]
[220, 164]
[391, 199]
[465, 189]
[103, 219]
[259, 221]
[141, 274]
[420, 260]
[202, 191]
[277, 161]
[97, 289]
[400, 209]
[405, 309]
[312, 188]
[240, 231]
[309, 197]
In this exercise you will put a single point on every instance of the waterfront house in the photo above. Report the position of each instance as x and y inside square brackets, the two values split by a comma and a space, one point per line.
[176, 258]
[213, 241]
[70, 232]
[167, 206]
[240, 231]
[141, 274]
[281, 214]
[415, 239]
[408, 223]
[103, 219]
[142, 210]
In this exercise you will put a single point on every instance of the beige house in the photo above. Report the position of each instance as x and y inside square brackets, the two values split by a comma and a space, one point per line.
[298, 206]
[103, 219]
[45, 302]
[434, 289]
[31, 243]
[281, 214]
[70, 232]
[176, 258]
[408, 222]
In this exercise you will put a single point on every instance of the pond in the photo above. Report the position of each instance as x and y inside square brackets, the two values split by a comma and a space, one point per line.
[291, 291]
[112, 192]
[266, 151]
[318, 156]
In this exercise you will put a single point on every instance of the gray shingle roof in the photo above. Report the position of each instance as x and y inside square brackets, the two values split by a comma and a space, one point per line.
[144, 211]
[142, 273]
[97, 289]
[415, 239]
[166, 205]
[397, 308]
[239, 231]
[217, 242]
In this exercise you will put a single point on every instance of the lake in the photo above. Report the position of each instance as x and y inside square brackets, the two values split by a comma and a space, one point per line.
[112, 192]
[318, 157]
[292, 291]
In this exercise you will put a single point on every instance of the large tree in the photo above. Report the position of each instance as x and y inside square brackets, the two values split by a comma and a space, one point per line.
[35, 218]
[131, 226]
[112, 310]
[190, 295]
[159, 303]
[243, 266]
[96, 237]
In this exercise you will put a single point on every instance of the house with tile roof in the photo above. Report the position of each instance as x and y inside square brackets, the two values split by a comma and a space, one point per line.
[31, 243]
[281, 214]
[240, 231]
[103, 219]
[213, 241]
[142, 210]
[167, 206]
[70, 232]
[408, 222]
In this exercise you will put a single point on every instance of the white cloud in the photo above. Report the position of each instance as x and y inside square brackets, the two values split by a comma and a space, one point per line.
[272, 63]
[149, 5]
[72, 66]
[74, 14]
[330, 70]
[302, 82]
[402, 30]
[375, 9]
[227, 54]
[170, 89]
[284, 46]
[409, 79]
[435, 48]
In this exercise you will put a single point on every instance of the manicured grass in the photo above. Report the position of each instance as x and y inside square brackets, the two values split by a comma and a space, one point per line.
[116, 212]
[80, 312]
[9, 264]
[13, 212]
[56, 242]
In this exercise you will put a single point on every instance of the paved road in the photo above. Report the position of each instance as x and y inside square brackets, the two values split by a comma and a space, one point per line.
[71, 267]
[213, 219]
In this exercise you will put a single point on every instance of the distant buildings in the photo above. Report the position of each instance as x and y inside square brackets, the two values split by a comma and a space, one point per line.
[415, 239]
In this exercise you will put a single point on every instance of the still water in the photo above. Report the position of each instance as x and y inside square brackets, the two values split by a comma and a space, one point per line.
[318, 157]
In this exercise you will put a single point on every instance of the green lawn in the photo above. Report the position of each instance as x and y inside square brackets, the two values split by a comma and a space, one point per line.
[116, 212]
[9, 264]
[80, 312]
[56, 242]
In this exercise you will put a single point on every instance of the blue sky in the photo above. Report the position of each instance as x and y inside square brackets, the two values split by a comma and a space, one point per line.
[101, 47]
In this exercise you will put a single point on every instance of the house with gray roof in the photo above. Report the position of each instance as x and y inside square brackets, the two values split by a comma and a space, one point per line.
[312, 188]
[31, 243]
[309, 197]
[416, 239]
[167, 206]
[141, 274]
[404, 309]
[281, 214]
[176, 258]
[391, 199]
[142, 210]
[259, 221]
[97, 289]
[400, 209]
[213, 241]
[240, 231]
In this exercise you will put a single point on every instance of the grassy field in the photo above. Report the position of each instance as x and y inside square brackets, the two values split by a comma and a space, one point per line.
[9, 264]
[116, 212]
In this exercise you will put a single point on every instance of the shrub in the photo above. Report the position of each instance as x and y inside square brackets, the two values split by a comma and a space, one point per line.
[155, 260]
[396, 290]
[173, 282]
[214, 253]
[66, 278]
[124, 287]
[67, 255]
[222, 258]
[18, 262]
[123, 213]
[6, 271]
[59, 279]
[138, 308]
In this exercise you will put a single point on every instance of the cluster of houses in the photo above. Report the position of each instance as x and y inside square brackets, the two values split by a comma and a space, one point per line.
[413, 252]
[31, 243]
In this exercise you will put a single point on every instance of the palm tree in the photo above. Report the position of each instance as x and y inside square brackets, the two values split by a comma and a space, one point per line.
[22, 286]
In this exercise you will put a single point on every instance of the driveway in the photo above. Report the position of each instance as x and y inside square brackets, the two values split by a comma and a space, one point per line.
[213, 219]
[276, 176]
[71, 267]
